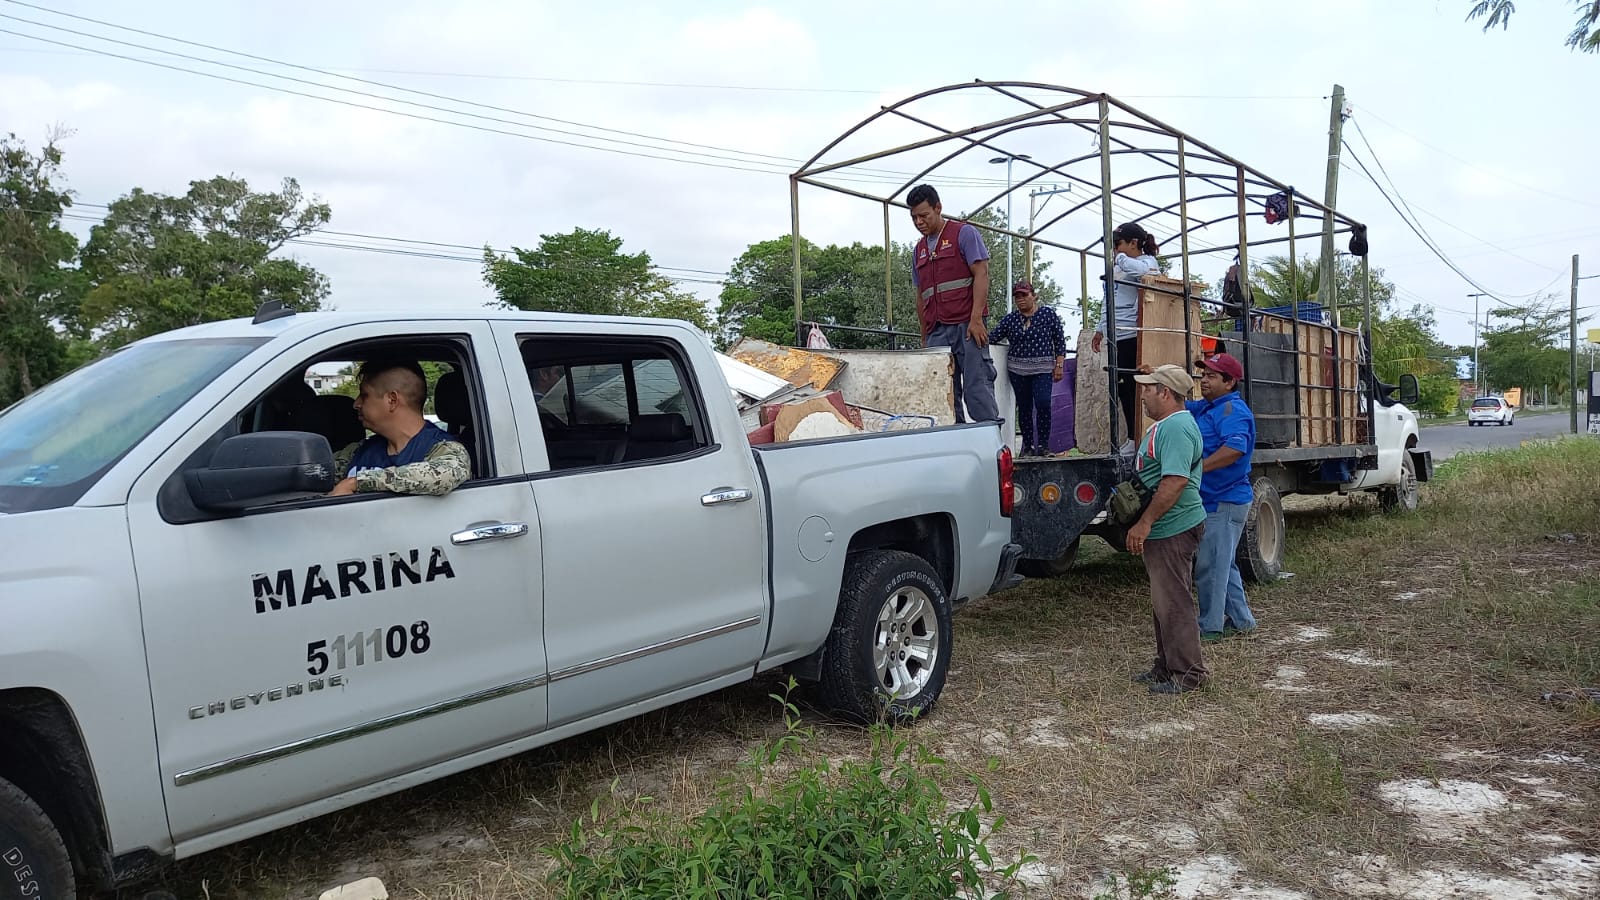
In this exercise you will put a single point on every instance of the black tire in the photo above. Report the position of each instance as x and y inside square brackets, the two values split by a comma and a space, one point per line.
[1403, 497]
[1260, 552]
[892, 598]
[34, 864]
[1050, 568]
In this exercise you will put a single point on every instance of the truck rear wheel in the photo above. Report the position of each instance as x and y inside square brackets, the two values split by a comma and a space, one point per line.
[33, 860]
[1402, 497]
[1050, 568]
[1260, 552]
[889, 649]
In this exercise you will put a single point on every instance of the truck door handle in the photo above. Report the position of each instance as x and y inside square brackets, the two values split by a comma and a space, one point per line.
[719, 496]
[490, 533]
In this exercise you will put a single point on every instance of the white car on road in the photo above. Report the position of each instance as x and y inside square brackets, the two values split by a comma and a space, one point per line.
[1491, 411]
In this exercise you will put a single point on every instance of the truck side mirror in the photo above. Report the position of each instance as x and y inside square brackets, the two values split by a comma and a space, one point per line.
[265, 467]
[1410, 390]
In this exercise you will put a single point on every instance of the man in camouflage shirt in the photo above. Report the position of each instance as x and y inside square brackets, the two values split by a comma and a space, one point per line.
[406, 453]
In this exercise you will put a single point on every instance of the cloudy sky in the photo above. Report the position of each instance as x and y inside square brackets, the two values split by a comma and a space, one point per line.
[674, 125]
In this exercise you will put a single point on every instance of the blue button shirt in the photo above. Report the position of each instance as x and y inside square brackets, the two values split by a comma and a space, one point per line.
[1225, 422]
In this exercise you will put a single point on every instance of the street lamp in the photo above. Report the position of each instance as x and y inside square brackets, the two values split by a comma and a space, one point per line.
[1008, 160]
[1477, 376]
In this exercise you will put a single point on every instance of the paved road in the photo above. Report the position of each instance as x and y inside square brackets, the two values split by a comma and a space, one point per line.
[1447, 440]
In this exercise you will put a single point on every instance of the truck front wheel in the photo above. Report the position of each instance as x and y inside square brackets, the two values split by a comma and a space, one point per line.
[1260, 552]
[889, 649]
[1402, 497]
[33, 859]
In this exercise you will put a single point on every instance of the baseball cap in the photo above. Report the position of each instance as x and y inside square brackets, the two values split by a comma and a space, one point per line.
[1022, 287]
[1224, 364]
[1174, 377]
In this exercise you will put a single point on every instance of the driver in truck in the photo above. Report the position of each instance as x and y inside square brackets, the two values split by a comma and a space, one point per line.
[406, 453]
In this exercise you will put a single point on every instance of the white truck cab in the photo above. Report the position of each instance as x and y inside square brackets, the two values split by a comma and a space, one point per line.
[200, 646]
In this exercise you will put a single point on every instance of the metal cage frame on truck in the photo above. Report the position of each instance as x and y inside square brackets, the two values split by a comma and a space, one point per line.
[1142, 170]
[1231, 192]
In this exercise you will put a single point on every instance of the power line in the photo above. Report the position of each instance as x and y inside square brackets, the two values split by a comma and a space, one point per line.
[1415, 229]
[311, 241]
[607, 82]
[755, 157]
[435, 119]
[1408, 206]
[1472, 165]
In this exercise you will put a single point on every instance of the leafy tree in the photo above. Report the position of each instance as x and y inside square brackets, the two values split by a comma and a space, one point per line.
[1585, 35]
[1404, 342]
[1273, 284]
[161, 262]
[1529, 349]
[586, 272]
[844, 285]
[36, 280]
[1044, 286]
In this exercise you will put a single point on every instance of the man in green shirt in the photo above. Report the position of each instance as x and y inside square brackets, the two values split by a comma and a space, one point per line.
[1169, 461]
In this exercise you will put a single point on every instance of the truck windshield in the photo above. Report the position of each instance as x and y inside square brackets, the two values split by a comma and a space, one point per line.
[55, 443]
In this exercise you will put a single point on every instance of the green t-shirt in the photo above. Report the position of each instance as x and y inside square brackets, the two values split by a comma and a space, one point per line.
[1172, 447]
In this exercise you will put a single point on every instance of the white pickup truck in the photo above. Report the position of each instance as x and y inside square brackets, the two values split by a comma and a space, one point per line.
[199, 647]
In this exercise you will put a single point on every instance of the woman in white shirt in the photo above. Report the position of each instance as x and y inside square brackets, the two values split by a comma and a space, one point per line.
[1136, 257]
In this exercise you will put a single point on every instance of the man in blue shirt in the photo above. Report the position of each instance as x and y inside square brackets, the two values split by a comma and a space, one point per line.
[1228, 438]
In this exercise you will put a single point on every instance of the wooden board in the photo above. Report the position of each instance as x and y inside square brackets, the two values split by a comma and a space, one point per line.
[798, 367]
[1329, 405]
[1165, 336]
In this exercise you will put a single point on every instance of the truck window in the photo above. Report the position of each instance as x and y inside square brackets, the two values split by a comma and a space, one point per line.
[317, 395]
[604, 403]
[55, 443]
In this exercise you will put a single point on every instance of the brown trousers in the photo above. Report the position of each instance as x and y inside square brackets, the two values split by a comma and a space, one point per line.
[1170, 564]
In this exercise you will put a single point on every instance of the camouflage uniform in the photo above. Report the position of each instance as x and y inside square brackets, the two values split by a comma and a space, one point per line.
[442, 471]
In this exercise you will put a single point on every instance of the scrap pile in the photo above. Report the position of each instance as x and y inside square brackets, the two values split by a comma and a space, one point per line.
[791, 394]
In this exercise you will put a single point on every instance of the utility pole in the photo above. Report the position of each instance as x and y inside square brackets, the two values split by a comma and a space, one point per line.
[1572, 324]
[1033, 212]
[1330, 196]
[1477, 379]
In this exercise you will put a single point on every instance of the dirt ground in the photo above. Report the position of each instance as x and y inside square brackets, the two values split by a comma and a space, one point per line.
[1383, 733]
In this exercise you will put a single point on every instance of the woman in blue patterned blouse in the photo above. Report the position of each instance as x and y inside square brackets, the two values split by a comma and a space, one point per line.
[1036, 353]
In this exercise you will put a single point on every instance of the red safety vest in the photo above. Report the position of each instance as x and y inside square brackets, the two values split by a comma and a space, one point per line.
[945, 280]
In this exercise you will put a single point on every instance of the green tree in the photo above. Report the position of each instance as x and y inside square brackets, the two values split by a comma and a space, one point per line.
[36, 279]
[1274, 285]
[1585, 35]
[161, 262]
[1404, 341]
[1044, 286]
[585, 271]
[844, 285]
[1529, 349]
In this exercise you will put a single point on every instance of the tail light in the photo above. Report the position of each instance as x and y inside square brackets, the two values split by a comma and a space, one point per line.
[1008, 481]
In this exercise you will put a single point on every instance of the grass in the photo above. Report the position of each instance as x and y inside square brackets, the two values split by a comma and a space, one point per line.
[1450, 623]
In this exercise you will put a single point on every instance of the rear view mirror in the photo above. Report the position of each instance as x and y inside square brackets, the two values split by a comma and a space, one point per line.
[1410, 390]
[266, 467]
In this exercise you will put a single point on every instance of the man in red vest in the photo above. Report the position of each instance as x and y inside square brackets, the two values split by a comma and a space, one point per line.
[950, 270]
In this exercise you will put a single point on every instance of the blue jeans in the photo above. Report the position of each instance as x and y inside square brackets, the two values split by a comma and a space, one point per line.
[1033, 409]
[1216, 570]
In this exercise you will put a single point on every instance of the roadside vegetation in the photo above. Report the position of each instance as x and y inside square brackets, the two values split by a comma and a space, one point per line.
[1410, 719]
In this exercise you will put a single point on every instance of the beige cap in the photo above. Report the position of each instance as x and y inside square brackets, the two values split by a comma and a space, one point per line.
[1174, 377]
